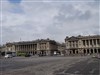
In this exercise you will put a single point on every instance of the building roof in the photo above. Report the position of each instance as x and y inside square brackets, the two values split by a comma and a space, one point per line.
[31, 42]
[73, 38]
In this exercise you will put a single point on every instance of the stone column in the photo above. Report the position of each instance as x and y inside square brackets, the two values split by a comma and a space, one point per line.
[75, 51]
[19, 47]
[32, 47]
[85, 44]
[29, 47]
[38, 46]
[85, 51]
[96, 43]
[89, 51]
[92, 42]
[97, 50]
[24, 47]
[93, 51]
[71, 44]
[75, 44]
[89, 43]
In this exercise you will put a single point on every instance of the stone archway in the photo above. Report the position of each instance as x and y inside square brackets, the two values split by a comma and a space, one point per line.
[98, 50]
[95, 50]
[70, 52]
[76, 51]
[84, 51]
[88, 51]
[91, 51]
[73, 51]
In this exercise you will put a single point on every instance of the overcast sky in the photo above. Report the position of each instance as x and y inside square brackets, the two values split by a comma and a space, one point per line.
[35, 19]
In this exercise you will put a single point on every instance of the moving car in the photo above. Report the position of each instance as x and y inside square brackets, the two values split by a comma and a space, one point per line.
[8, 56]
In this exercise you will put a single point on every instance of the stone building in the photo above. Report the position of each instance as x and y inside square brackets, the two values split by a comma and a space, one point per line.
[40, 46]
[61, 48]
[3, 50]
[83, 44]
[0, 48]
[46, 47]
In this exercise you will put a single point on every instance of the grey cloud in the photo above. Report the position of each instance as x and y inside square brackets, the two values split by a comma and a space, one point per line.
[85, 16]
[69, 13]
[50, 20]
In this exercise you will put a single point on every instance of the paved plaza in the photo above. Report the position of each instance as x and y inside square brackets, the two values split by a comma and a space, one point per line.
[50, 66]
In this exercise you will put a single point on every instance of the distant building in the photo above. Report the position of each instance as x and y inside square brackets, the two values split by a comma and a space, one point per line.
[82, 45]
[61, 48]
[40, 46]
[2, 50]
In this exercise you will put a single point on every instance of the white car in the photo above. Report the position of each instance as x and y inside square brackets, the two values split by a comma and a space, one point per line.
[8, 56]
[94, 56]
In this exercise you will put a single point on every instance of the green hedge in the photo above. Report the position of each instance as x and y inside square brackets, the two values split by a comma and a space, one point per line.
[21, 54]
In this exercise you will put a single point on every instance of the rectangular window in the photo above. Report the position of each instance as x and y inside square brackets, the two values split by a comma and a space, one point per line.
[94, 40]
[87, 42]
[90, 42]
[98, 41]
[84, 42]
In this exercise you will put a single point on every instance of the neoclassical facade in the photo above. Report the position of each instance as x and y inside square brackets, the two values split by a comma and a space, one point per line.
[61, 48]
[82, 45]
[40, 46]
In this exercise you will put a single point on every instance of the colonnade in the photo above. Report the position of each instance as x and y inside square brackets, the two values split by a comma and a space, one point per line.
[29, 48]
[91, 42]
[85, 51]
[73, 44]
[91, 51]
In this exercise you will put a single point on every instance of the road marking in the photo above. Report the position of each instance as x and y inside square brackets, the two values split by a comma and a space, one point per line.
[76, 72]
[92, 71]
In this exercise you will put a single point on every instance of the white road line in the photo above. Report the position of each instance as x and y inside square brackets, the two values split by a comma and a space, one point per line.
[76, 72]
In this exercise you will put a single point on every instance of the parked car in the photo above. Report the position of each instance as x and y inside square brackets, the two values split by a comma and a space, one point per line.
[8, 56]
[94, 56]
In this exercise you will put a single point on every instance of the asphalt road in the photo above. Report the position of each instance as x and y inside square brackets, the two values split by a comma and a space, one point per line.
[90, 66]
[50, 66]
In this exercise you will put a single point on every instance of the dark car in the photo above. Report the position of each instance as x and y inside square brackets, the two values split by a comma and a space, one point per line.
[27, 55]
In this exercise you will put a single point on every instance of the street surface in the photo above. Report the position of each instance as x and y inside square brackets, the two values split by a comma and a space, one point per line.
[50, 66]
